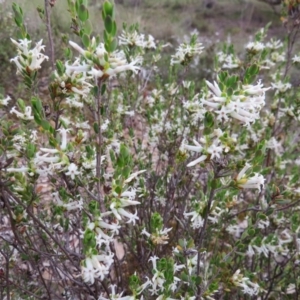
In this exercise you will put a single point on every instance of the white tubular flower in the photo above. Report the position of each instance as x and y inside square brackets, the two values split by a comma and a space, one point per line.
[250, 252]
[68, 206]
[27, 114]
[296, 59]
[24, 116]
[160, 237]
[23, 45]
[73, 101]
[101, 264]
[196, 220]
[125, 199]
[244, 105]
[257, 89]
[281, 87]
[196, 161]
[64, 141]
[18, 170]
[96, 73]
[29, 59]
[115, 296]
[19, 66]
[36, 60]
[254, 182]
[215, 151]
[113, 227]
[197, 148]
[158, 279]
[211, 151]
[5, 101]
[17, 113]
[228, 61]
[88, 272]
[128, 67]
[185, 52]
[275, 145]
[60, 158]
[291, 289]
[255, 47]
[76, 68]
[119, 212]
[45, 158]
[77, 48]
[248, 287]
[116, 63]
[214, 88]
[274, 44]
[72, 171]
[131, 39]
[96, 266]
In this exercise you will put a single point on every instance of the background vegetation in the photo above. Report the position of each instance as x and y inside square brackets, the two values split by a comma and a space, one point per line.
[168, 20]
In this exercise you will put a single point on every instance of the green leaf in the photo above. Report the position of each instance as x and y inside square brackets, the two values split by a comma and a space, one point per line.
[134, 282]
[114, 29]
[113, 45]
[94, 207]
[107, 9]
[106, 37]
[72, 8]
[45, 124]
[88, 27]
[96, 127]
[214, 184]
[37, 105]
[261, 216]
[103, 89]
[207, 131]
[232, 82]
[251, 73]
[229, 91]
[95, 91]
[251, 231]
[30, 150]
[124, 151]
[85, 40]
[60, 67]
[253, 70]
[112, 155]
[21, 104]
[18, 19]
[126, 171]
[68, 53]
[108, 24]
[66, 225]
[118, 190]
[208, 120]
[18, 14]
[223, 76]
[83, 13]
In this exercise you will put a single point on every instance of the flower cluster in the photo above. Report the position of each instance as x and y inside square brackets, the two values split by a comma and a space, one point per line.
[243, 105]
[115, 64]
[186, 52]
[28, 60]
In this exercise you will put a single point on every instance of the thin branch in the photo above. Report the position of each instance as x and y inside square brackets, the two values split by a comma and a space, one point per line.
[49, 31]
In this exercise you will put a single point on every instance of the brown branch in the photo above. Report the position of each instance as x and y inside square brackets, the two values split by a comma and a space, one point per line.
[49, 31]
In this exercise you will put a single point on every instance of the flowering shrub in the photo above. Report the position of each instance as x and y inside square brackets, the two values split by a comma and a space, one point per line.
[127, 185]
